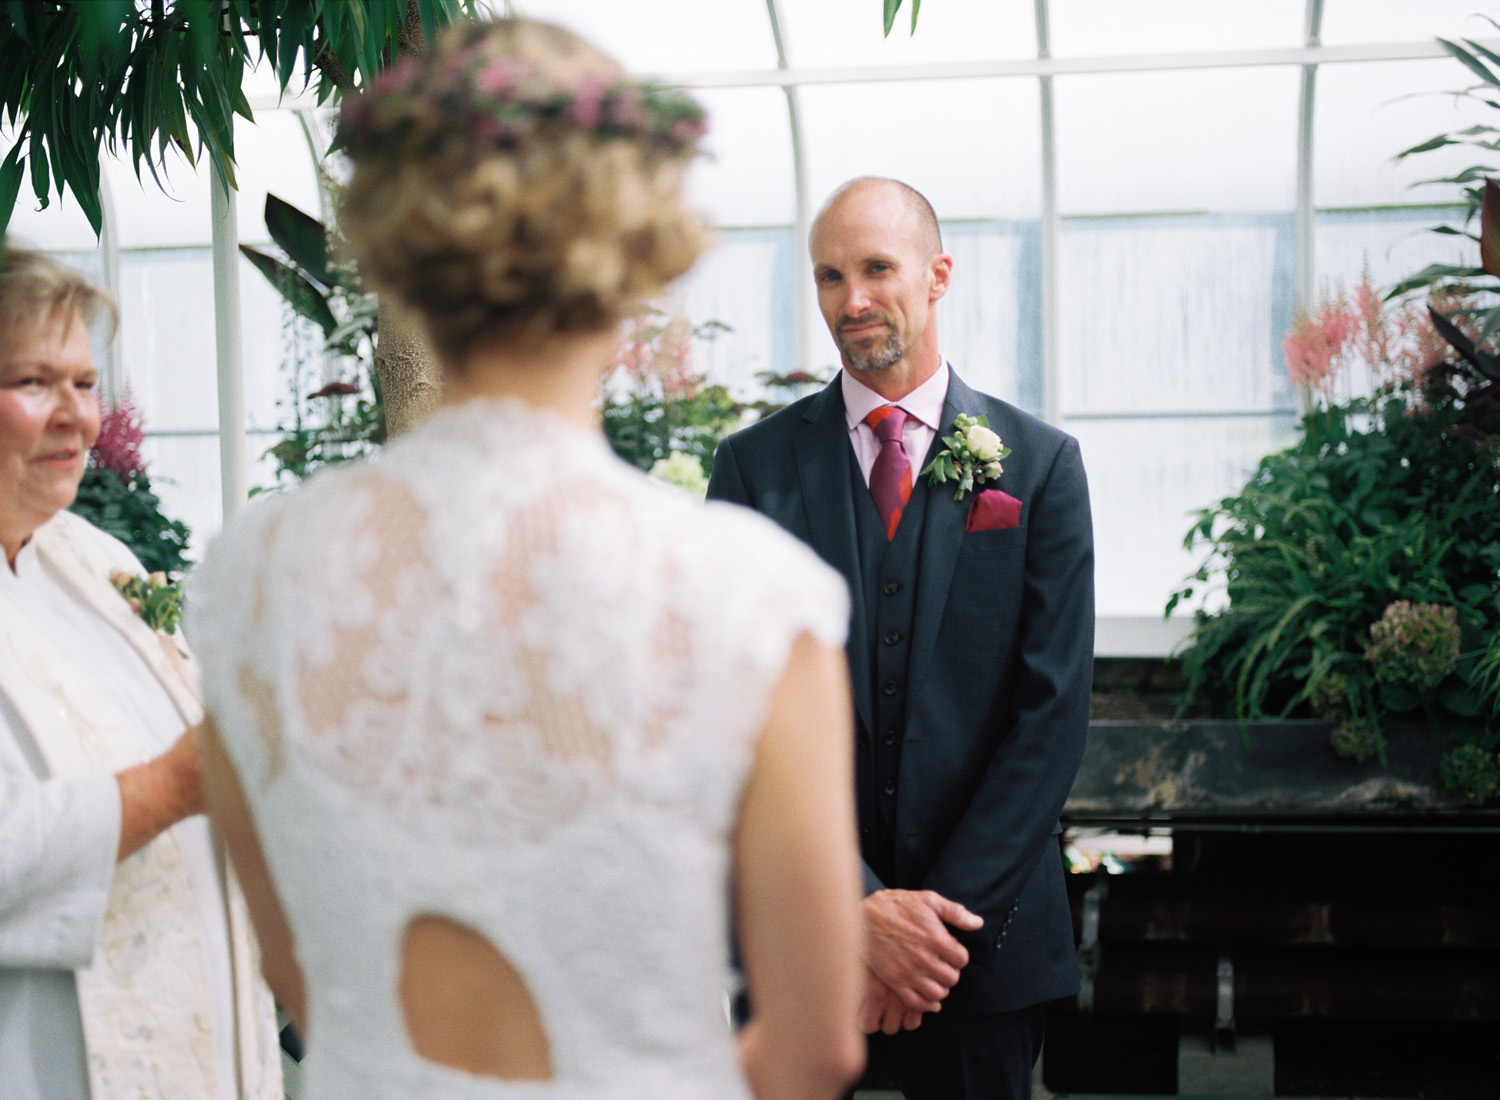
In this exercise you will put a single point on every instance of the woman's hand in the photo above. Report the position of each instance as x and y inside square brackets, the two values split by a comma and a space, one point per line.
[158, 794]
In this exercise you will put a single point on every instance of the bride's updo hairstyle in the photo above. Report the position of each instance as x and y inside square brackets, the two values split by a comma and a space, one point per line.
[514, 184]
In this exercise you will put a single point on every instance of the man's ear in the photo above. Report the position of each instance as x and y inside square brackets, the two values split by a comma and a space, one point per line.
[941, 273]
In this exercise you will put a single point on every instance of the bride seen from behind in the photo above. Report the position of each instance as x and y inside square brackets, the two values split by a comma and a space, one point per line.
[502, 733]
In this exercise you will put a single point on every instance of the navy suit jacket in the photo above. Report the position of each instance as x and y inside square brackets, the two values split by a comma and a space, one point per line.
[1001, 669]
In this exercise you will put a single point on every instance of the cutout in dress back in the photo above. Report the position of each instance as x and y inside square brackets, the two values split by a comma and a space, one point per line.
[466, 1007]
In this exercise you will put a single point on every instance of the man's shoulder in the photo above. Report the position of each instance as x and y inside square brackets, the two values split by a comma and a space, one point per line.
[777, 428]
[1010, 421]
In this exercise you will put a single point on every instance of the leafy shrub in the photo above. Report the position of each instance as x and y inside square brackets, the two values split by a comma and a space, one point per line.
[1473, 771]
[341, 419]
[116, 495]
[1389, 498]
[655, 404]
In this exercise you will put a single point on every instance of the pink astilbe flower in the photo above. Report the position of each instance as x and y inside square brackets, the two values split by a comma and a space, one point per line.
[1396, 344]
[657, 358]
[674, 362]
[1373, 342]
[118, 447]
[1315, 345]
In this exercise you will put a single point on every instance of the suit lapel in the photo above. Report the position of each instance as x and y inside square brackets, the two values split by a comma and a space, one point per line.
[824, 470]
[942, 532]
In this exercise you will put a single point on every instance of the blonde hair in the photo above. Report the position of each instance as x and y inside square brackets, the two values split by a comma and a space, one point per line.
[36, 290]
[563, 231]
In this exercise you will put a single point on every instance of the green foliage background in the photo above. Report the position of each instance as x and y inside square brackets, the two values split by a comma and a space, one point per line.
[1380, 499]
[129, 509]
[77, 76]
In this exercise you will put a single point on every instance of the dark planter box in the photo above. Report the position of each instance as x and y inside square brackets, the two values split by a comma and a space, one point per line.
[1322, 927]
[1149, 770]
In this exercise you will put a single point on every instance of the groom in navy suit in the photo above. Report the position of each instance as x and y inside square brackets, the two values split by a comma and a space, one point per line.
[970, 652]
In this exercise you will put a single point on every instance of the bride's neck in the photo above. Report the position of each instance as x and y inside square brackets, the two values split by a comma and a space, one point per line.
[561, 375]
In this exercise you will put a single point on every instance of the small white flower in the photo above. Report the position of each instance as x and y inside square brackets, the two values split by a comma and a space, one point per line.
[982, 443]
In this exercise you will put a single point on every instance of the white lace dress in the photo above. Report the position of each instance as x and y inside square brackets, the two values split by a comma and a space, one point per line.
[498, 676]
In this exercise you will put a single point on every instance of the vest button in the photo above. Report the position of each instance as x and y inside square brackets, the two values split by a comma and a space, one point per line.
[892, 637]
[864, 832]
[863, 741]
[890, 737]
[890, 687]
[891, 588]
[890, 787]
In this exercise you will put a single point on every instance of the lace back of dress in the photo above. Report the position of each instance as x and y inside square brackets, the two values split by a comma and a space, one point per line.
[513, 672]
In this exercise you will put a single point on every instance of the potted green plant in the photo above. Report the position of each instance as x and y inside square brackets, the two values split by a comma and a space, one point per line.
[116, 494]
[342, 417]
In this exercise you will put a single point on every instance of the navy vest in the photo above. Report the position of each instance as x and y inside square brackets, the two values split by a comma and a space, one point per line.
[888, 571]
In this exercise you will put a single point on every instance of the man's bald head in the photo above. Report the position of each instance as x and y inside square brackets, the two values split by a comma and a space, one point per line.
[929, 237]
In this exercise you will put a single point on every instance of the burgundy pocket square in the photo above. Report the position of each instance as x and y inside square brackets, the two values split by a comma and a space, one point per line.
[992, 510]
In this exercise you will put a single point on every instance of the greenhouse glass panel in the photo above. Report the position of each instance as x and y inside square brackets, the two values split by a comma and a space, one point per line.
[1223, 139]
[1173, 314]
[184, 471]
[274, 155]
[1390, 244]
[746, 178]
[990, 320]
[90, 264]
[1368, 113]
[167, 339]
[973, 147]
[1147, 480]
[167, 336]
[851, 32]
[748, 282]
[1090, 28]
[60, 228]
[176, 213]
[1360, 21]
[668, 36]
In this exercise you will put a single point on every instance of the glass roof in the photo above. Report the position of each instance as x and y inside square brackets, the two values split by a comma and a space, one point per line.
[1118, 183]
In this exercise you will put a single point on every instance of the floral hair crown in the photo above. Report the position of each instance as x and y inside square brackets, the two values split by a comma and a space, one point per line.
[502, 102]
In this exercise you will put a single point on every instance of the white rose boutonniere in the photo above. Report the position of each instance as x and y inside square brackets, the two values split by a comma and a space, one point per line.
[972, 456]
[984, 444]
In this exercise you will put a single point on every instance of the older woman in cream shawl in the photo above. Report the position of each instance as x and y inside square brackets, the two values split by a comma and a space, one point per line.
[125, 965]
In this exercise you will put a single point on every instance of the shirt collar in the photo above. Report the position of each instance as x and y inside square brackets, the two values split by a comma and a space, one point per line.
[26, 564]
[925, 402]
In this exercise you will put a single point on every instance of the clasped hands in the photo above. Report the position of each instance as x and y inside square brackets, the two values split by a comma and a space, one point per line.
[912, 959]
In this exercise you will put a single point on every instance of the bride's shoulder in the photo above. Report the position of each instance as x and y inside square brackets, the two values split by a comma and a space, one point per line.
[768, 569]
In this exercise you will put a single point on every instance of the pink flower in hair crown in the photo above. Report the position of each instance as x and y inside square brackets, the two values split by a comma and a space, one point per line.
[503, 102]
[588, 108]
[499, 77]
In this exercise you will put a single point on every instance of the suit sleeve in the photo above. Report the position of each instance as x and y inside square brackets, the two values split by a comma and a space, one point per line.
[991, 852]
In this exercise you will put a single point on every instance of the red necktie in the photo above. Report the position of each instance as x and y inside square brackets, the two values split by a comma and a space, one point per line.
[890, 477]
